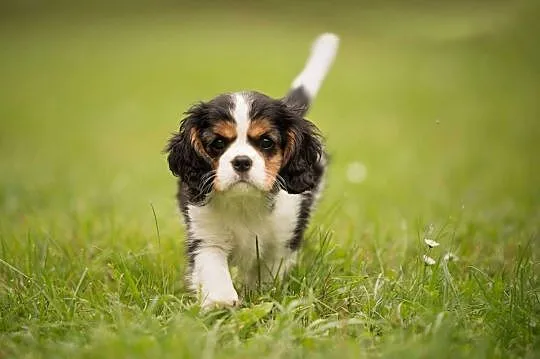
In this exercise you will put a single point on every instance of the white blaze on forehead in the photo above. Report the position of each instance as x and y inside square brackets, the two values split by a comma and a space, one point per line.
[226, 175]
[240, 114]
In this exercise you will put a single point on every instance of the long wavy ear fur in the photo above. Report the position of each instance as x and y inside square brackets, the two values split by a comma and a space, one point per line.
[185, 159]
[302, 156]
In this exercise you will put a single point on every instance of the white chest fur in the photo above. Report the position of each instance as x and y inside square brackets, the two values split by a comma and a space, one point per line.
[235, 221]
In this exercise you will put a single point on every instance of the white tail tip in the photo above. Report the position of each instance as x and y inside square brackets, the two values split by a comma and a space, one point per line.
[326, 43]
[323, 52]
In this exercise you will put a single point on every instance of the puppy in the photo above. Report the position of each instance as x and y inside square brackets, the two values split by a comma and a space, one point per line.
[250, 170]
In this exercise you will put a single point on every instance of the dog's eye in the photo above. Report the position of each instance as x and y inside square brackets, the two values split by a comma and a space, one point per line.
[218, 144]
[266, 143]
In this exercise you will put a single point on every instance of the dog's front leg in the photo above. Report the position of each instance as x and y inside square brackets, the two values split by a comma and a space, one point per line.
[211, 277]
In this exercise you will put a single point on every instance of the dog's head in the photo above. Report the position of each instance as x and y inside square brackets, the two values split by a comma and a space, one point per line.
[245, 140]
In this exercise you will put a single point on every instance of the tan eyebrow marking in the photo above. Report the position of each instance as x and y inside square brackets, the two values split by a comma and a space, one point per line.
[259, 127]
[225, 129]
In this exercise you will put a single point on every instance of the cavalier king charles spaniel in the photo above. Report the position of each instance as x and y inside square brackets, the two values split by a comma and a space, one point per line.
[250, 170]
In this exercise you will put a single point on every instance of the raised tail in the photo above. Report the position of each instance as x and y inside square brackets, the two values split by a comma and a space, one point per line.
[306, 85]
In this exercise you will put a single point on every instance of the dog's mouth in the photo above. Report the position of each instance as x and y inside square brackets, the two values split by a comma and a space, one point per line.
[243, 178]
[243, 183]
[240, 183]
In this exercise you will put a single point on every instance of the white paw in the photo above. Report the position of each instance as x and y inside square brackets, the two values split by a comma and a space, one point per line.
[220, 298]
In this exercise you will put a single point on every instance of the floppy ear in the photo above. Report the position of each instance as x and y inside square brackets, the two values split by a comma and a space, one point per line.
[303, 151]
[186, 154]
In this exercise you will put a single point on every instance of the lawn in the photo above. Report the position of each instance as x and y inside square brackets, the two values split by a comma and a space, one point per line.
[431, 116]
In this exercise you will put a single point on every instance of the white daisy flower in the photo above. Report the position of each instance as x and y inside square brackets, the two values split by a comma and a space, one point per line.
[428, 260]
[431, 243]
[450, 257]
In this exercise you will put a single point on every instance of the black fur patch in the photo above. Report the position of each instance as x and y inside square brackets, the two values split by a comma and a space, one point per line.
[303, 219]
[298, 101]
[304, 170]
[192, 247]
[265, 107]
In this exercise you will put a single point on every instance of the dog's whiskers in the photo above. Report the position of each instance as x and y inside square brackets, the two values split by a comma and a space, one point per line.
[207, 180]
[207, 186]
[281, 181]
[208, 174]
[278, 179]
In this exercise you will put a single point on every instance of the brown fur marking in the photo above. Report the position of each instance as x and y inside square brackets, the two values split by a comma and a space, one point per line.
[225, 129]
[196, 143]
[272, 165]
[292, 143]
[259, 127]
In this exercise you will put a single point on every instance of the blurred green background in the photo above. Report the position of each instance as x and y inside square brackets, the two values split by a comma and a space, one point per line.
[439, 102]
[431, 114]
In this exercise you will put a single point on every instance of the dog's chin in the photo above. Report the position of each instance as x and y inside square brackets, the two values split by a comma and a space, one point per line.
[242, 186]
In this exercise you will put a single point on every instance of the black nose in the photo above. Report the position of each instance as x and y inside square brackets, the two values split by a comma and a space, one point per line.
[241, 163]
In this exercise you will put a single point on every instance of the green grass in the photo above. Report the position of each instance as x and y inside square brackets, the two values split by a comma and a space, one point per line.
[440, 104]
